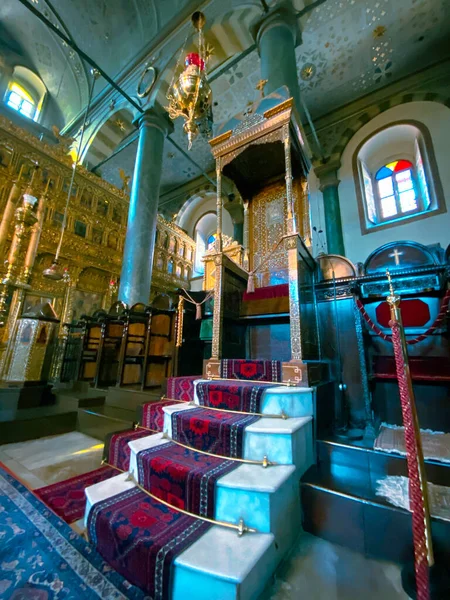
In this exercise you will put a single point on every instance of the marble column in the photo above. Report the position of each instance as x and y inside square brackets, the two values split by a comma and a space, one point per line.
[329, 184]
[136, 275]
[277, 36]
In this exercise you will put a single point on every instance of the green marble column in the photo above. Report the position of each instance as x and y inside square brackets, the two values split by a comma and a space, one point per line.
[136, 275]
[277, 36]
[329, 184]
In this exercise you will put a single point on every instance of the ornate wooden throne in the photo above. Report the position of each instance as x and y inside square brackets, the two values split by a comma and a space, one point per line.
[263, 151]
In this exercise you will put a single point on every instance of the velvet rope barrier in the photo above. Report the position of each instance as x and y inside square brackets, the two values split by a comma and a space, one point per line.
[418, 491]
[416, 499]
[387, 338]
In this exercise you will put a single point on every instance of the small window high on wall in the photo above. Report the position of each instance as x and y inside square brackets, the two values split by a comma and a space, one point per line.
[26, 93]
[397, 176]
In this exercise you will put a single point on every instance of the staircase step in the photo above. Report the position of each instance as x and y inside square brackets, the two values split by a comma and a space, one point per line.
[351, 514]
[100, 421]
[130, 399]
[359, 460]
[240, 568]
[267, 499]
[284, 442]
[292, 401]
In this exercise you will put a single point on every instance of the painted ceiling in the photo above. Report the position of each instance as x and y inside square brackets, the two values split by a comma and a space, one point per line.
[349, 48]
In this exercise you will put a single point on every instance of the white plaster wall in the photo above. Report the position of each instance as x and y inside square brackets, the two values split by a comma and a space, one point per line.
[198, 208]
[436, 117]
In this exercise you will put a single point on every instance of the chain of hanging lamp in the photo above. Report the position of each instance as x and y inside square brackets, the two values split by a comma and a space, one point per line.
[54, 272]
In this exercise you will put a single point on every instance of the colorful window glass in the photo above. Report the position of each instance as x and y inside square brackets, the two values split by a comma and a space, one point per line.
[211, 241]
[396, 190]
[20, 100]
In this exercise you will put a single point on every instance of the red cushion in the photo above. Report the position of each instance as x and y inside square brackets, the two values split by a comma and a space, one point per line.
[415, 313]
[264, 293]
[423, 368]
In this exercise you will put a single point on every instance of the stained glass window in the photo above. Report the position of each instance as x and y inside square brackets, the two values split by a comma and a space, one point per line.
[396, 189]
[211, 241]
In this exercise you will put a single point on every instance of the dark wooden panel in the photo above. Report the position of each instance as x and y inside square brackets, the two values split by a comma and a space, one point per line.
[333, 517]
[270, 341]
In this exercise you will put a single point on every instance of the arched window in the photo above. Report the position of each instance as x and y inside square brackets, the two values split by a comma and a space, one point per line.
[397, 175]
[25, 93]
[397, 190]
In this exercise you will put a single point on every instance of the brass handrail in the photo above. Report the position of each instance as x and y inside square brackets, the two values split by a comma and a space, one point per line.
[264, 462]
[241, 528]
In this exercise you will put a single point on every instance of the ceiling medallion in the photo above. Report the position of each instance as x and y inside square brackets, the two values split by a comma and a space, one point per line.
[146, 82]
[379, 31]
[308, 72]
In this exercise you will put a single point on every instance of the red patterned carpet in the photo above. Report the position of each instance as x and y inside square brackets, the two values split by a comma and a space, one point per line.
[182, 388]
[211, 431]
[152, 415]
[184, 478]
[119, 451]
[256, 370]
[243, 396]
[67, 498]
[140, 538]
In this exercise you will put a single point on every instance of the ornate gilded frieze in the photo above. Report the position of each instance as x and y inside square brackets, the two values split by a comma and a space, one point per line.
[95, 233]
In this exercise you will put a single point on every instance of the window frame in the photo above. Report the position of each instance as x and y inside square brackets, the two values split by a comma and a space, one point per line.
[24, 96]
[400, 214]
[438, 203]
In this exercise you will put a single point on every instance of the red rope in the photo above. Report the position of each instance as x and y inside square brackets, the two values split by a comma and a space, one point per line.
[422, 336]
[415, 493]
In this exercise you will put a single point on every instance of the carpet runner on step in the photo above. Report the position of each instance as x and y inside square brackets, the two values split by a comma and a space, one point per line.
[256, 370]
[211, 431]
[184, 478]
[118, 448]
[140, 538]
[67, 498]
[241, 396]
[152, 414]
[182, 388]
[41, 557]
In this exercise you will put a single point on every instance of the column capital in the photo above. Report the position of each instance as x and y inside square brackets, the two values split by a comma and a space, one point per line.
[328, 174]
[281, 17]
[156, 118]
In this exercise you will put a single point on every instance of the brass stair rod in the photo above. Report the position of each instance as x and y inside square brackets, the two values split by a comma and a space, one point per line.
[241, 528]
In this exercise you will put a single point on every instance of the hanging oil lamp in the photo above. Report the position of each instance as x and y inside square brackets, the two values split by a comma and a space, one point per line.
[190, 95]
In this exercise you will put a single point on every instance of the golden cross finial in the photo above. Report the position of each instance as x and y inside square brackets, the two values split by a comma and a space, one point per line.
[261, 85]
[391, 287]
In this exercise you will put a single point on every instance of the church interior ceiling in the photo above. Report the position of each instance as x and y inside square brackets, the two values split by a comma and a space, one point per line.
[349, 48]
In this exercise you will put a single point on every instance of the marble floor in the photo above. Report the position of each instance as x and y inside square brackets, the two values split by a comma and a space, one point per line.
[52, 459]
[314, 570]
[319, 570]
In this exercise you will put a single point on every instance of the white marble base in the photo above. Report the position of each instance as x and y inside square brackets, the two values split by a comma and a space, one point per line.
[137, 446]
[266, 499]
[287, 442]
[292, 401]
[222, 566]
